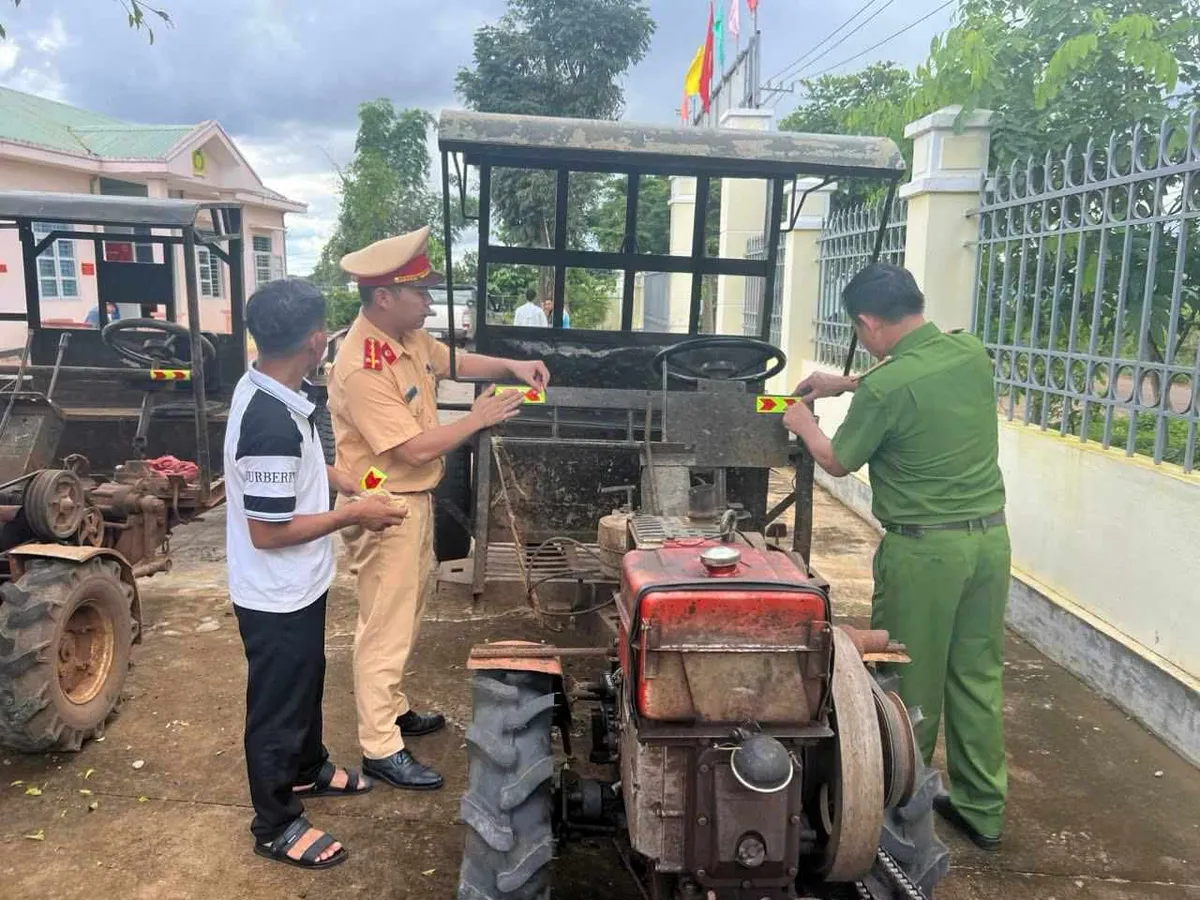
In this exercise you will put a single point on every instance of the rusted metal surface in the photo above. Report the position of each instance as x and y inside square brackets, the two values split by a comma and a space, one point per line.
[18, 555]
[869, 641]
[702, 150]
[714, 648]
[725, 811]
[524, 656]
[520, 650]
[655, 778]
[899, 747]
[31, 437]
[853, 800]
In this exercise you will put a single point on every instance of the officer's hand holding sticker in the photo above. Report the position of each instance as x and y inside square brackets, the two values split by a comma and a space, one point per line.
[491, 408]
[377, 510]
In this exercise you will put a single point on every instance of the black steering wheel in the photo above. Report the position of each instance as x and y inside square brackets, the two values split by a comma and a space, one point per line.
[719, 358]
[158, 350]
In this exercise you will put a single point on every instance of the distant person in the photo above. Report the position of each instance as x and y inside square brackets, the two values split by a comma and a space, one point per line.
[529, 314]
[548, 309]
[281, 564]
[93, 316]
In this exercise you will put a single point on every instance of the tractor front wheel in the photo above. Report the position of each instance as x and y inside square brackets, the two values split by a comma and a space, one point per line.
[507, 805]
[66, 632]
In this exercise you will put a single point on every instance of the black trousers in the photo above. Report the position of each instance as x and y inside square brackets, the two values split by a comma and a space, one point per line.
[286, 656]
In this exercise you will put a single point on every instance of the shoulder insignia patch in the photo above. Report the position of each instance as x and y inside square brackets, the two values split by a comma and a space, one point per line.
[879, 365]
[386, 351]
[371, 356]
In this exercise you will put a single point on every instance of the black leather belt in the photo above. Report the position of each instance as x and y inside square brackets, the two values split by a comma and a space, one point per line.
[916, 531]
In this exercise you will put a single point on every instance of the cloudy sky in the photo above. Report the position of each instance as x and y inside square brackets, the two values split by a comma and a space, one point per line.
[285, 77]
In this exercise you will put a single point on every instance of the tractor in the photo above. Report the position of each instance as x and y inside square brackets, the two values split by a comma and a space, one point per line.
[744, 744]
[105, 437]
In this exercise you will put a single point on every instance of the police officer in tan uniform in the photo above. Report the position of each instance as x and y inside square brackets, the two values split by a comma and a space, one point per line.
[383, 398]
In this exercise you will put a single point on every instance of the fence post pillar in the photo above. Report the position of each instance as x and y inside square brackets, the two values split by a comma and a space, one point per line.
[682, 204]
[949, 164]
[743, 215]
[800, 284]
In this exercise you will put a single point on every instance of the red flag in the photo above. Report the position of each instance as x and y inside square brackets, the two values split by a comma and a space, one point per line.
[706, 67]
[753, 4]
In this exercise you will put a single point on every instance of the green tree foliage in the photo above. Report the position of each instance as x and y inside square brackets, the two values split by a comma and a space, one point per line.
[607, 219]
[139, 13]
[1061, 71]
[1053, 71]
[553, 58]
[872, 101]
[385, 189]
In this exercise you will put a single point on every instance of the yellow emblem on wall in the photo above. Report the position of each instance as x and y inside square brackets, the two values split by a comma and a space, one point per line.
[199, 162]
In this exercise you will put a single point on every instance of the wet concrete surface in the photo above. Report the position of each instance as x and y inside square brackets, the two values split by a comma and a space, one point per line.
[1100, 810]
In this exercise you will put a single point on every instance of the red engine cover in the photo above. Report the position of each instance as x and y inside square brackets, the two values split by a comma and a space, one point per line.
[749, 644]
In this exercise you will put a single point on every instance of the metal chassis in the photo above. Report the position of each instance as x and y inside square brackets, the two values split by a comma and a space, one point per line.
[190, 238]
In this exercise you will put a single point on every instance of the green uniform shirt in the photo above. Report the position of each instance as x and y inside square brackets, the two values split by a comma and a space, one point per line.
[926, 423]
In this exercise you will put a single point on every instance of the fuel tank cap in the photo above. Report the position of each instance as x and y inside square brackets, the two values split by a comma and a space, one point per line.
[721, 558]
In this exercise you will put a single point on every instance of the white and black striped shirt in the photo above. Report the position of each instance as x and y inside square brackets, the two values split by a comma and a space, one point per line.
[274, 470]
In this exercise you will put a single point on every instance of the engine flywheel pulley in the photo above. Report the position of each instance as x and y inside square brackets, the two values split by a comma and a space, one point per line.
[54, 504]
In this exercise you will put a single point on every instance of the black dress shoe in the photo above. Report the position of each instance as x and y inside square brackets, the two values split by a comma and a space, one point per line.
[415, 724]
[401, 770]
[947, 811]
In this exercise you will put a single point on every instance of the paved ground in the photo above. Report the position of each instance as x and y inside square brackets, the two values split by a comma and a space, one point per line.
[1099, 808]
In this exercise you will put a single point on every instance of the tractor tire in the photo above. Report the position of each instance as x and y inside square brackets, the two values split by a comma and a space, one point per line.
[507, 804]
[908, 831]
[451, 499]
[66, 632]
[323, 420]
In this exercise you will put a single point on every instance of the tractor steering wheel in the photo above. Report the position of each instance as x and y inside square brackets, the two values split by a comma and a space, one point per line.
[719, 358]
[159, 350]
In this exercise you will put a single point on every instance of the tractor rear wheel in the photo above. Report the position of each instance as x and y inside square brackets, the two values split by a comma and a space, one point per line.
[66, 632]
[908, 832]
[507, 805]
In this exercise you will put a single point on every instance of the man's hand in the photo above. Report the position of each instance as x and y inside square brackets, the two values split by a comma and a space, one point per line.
[375, 512]
[341, 482]
[532, 372]
[824, 384]
[491, 408]
[797, 417]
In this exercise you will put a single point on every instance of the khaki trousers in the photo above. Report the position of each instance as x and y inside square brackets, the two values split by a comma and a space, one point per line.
[396, 569]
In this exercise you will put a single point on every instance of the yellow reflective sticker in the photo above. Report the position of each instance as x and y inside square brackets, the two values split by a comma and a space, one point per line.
[766, 403]
[532, 395]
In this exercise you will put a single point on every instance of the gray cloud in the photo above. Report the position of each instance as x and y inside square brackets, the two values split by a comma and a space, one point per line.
[285, 77]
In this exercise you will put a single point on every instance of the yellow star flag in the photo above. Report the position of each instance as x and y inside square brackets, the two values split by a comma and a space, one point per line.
[691, 81]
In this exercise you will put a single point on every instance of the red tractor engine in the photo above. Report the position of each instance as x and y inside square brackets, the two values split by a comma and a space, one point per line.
[756, 757]
[720, 647]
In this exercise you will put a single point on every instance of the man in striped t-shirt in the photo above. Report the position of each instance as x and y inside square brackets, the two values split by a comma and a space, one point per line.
[279, 549]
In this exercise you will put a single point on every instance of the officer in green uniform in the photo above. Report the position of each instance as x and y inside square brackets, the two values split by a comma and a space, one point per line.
[925, 422]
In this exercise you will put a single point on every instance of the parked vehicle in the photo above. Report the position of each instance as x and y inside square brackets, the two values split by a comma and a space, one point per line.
[439, 323]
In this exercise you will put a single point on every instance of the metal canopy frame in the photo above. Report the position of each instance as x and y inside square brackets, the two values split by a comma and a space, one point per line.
[20, 209]
[562, 146]
[489, 141]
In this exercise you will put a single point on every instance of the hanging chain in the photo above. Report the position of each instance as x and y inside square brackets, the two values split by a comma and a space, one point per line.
[898, 877]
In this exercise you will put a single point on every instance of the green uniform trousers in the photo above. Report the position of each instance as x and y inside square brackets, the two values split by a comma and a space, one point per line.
[943, 594]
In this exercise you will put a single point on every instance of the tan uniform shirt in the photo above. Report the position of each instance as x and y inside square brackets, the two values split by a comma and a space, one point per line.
[383, 393]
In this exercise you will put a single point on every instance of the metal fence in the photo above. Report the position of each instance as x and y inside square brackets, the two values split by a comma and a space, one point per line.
[756, 248]
[845, 247]
[1089, 290]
